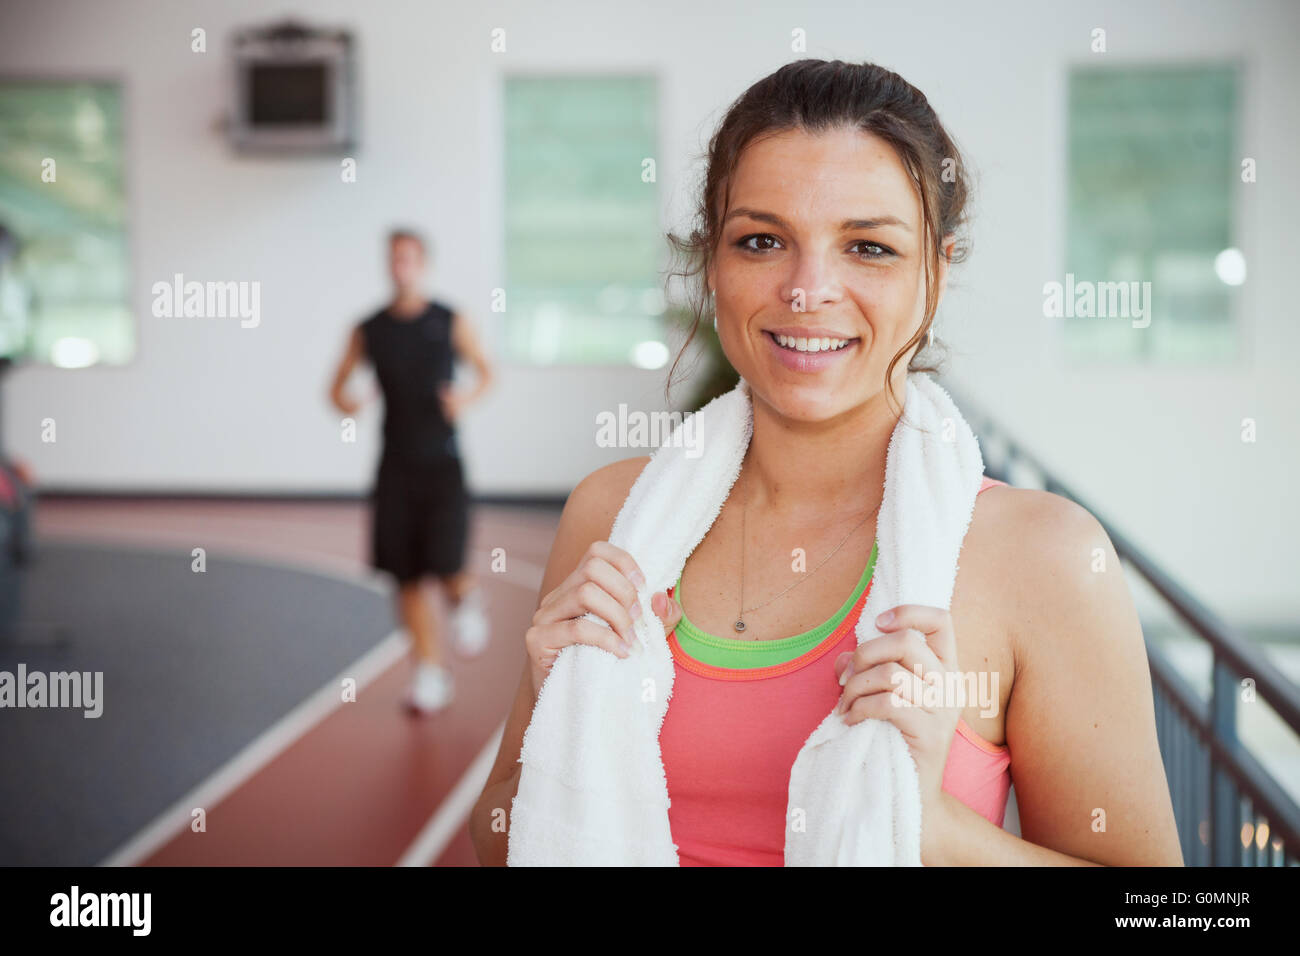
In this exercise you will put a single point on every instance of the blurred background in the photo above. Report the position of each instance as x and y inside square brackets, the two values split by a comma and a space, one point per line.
[271, 147]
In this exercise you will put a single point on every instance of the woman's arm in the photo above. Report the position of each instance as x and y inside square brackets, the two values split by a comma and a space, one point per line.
[588, 516]
[1090, 783]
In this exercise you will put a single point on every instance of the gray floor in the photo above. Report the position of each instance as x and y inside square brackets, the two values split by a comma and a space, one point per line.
[189, 678]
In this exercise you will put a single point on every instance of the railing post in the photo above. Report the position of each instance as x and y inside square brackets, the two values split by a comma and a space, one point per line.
[1225, 805]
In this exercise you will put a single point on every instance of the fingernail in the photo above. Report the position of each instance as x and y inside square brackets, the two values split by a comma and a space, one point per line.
[638, 578]
[885, 618]
[844, 677]
[636, 610]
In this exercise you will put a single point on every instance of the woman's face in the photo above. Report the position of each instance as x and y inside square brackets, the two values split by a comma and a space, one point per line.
[822, 240]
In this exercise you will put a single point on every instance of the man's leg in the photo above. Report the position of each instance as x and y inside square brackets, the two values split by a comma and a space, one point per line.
[468, 618]
[395, 546]
[433, 686]
[397, 543]
[457, 586]
[420, 623]
[448, 536]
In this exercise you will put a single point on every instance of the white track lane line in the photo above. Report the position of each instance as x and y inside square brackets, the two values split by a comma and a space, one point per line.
[265, 748]
[454, 809]
[456, 806]
[290, 728]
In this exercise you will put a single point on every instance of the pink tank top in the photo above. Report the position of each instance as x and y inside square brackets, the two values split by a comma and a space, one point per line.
[731, 735]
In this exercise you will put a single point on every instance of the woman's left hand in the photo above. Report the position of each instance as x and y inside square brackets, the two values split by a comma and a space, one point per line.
[882, 682]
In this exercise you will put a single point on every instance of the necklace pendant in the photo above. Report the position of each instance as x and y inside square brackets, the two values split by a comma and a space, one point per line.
[740, 625]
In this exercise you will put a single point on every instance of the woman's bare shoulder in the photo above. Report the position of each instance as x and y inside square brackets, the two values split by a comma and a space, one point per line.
[1029, 508]
[1042, 549]
[600, 495]
[589, 513]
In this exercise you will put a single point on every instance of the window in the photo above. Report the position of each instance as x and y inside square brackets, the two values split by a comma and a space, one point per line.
[583, 245]
[64, 278]
[1153, 176]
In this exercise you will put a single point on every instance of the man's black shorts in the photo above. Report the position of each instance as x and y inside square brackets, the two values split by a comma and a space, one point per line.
[419, 518]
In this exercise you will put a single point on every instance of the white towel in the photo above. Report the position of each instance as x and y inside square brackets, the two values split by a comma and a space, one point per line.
[592, 790]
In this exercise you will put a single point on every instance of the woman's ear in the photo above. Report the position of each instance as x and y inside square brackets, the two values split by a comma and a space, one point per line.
[946, 249]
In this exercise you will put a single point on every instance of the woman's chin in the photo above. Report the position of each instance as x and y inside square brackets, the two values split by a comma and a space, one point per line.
[806, 402]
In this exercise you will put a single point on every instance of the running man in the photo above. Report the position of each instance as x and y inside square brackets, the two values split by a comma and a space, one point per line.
[420, 506]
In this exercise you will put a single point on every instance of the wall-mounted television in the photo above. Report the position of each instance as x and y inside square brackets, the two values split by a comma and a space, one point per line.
[294, 89]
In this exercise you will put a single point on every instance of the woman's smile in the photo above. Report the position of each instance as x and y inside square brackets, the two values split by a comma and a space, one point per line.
[808, 350]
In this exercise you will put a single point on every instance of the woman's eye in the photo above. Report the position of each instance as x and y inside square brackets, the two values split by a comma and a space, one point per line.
[874, 250]
[760, 237]
[765, 242]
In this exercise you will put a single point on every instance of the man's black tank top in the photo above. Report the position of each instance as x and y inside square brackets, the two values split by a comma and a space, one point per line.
[412, 357]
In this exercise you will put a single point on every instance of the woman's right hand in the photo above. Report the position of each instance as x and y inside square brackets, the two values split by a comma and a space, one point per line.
[603, 584]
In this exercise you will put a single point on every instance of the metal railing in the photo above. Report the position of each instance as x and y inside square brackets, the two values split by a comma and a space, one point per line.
[1229, 808]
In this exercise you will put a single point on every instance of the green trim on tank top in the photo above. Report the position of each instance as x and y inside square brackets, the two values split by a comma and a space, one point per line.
[740, 654]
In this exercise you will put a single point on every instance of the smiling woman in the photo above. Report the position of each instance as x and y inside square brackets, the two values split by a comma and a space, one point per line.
[799, 150]
[829, 218]
[873, 281]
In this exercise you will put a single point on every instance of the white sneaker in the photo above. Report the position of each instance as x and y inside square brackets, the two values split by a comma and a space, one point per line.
[432, 689]
[469, 625]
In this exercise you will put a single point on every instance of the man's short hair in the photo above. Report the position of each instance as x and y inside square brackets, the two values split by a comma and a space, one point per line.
[404, 233]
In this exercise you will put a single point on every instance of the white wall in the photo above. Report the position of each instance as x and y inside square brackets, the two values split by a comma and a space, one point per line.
[208, 405]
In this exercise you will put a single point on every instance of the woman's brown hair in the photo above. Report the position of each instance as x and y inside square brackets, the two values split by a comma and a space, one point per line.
[817, 96]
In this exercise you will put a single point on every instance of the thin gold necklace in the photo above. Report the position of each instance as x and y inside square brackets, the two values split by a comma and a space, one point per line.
[740, 618]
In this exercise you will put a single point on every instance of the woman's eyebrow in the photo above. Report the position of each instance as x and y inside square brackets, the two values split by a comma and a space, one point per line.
[848, 225]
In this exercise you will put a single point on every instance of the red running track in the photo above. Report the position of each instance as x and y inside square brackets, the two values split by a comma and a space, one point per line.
[363, 782]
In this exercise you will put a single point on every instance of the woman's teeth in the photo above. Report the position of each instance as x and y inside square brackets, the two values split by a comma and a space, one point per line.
[810, 345]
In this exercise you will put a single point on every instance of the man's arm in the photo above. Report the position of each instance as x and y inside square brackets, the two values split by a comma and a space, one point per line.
[466, 344]
[352, 355]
